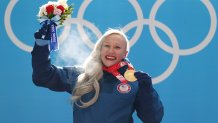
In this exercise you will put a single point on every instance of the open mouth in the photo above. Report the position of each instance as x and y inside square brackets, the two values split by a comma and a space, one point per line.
[110, 57]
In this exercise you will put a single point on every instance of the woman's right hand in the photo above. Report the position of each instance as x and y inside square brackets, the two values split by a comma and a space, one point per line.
[43, 33]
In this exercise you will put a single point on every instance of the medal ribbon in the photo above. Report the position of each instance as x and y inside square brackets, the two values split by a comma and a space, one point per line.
[53, 22]
[114, 70]
[53, 42]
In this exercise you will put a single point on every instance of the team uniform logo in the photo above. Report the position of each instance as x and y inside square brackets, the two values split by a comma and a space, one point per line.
[124, 88]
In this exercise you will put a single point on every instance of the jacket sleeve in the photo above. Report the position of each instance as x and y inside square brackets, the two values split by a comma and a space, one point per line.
[148, 106]
[50, 76]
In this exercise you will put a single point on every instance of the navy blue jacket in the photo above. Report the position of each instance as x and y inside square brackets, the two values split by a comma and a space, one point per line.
[111, 106]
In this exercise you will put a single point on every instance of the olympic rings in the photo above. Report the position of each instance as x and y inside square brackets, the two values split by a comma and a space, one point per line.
[132, 41]
[138, 23]
[195, 49]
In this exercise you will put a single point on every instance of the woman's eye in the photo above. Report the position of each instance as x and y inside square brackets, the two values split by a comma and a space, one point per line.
[106, 46]
[117, 47]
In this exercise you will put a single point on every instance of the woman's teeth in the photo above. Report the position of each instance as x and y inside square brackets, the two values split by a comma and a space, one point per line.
[110, 57]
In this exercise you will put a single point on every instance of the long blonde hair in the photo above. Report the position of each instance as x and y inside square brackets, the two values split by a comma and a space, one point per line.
[89, 80]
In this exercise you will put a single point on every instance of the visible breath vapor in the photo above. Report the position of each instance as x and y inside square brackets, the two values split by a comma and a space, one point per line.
[73, 51]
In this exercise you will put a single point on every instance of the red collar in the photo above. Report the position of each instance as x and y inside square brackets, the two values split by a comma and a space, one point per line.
[114, 70]
[115, 67]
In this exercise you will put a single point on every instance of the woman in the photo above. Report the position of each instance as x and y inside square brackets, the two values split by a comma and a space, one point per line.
[101, 93]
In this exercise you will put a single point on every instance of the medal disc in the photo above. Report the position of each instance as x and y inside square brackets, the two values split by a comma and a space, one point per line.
[129, 75]
[124, 88]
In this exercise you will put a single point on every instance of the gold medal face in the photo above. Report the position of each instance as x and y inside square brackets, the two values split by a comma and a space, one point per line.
[129, 75]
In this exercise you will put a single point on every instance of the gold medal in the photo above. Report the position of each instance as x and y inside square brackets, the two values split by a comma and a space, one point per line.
[129, 76]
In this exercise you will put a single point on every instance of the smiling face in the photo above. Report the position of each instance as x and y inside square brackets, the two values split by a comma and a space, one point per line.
[113, 49]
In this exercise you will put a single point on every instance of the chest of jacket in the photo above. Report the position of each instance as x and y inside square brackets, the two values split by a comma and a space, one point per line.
[111, 106]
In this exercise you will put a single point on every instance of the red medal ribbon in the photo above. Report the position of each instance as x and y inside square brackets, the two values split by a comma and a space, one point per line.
[114, 70]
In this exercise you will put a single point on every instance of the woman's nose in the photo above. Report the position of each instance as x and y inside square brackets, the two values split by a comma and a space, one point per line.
[111, 50]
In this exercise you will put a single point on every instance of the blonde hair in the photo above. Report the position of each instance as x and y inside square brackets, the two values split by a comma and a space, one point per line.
[89, 80]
